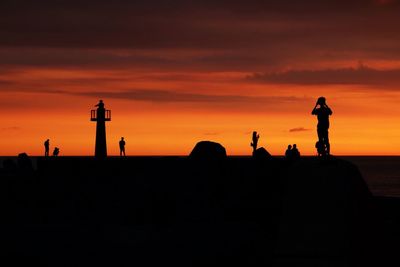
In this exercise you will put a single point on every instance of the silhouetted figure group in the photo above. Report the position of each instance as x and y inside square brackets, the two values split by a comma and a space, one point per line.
[321, 110]
[56, 150]
[292, 152]
[322, 113]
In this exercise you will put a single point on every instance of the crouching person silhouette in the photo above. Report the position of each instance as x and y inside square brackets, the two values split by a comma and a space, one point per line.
[321, 150]
[56, 152]
[322, 113]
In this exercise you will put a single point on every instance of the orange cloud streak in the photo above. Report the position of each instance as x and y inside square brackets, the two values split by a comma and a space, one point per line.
[50, 104]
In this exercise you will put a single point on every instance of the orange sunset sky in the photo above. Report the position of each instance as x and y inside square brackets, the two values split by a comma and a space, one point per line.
[177, 72]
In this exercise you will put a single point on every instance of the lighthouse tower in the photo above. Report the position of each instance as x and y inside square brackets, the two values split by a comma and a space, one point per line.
[100, 116]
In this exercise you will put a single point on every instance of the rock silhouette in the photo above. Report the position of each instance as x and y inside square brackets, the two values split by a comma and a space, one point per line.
[261, 153]
[79, 211]
[236, 212]
[24, 162]
[208, 150]
[9, 165]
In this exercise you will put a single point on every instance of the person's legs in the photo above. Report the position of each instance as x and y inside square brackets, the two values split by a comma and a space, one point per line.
[328, 146]
[320, 133]
[324, 139]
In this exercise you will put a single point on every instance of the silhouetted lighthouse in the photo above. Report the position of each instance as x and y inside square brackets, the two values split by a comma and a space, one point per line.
[101, 115]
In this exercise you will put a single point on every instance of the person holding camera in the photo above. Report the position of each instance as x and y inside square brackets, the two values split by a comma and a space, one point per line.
[323, 112]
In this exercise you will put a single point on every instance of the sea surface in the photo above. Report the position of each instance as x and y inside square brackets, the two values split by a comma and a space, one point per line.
[382, 173]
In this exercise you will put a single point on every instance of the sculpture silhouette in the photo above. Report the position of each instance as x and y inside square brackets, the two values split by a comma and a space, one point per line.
[122, 147]
[254, 142]
[323, 113]
[46, 148]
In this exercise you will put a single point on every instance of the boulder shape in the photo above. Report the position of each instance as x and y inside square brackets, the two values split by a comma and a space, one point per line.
[9, 165]
[262, 153]
[24, 162]
[207, 150]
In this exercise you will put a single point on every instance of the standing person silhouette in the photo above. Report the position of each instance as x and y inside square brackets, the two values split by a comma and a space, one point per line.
[323, 113]
[46, 147]
[122, 147]
[288, 152]
[295, 152]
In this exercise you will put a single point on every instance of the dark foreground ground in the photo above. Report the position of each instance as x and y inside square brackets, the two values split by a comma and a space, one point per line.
[178, 212]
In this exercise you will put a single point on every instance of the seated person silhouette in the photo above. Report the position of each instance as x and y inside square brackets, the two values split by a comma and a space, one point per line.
[122, 147]
[56, 152]
[288, 153]
[254, 142]
[295, 152]
[323, 113]
[46, 148]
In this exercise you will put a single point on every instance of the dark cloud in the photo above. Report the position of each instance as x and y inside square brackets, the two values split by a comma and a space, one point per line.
[232, 35]
[165, 96]
[12, 58]
[197, 24]
[62, 57]
[180, 97]
[5, 82]
[298, 129]
[362, 75]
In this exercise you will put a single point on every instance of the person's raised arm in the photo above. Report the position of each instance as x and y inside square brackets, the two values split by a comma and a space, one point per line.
[314, 111]
[329, 109]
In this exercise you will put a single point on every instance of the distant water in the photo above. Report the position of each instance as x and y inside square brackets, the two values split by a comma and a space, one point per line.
[382, 173]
